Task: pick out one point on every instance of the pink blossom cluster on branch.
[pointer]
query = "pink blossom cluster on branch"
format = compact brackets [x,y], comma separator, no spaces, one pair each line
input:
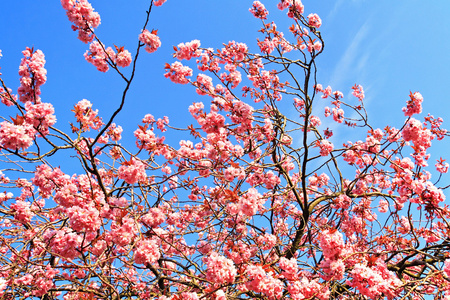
[83,17]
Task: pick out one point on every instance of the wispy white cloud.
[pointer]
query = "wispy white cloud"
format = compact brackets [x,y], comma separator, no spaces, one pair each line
[354,58]
[334,10]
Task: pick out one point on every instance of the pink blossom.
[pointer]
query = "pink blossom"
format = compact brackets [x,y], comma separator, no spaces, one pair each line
[188,50]
[6,97]
[40,115]
[154,217]
[447,267]
[64,242]
[123,233]
[358,92]
[22,211]
[220,269]
[97,56]
[327,92]
[83,17]
[232,172]
[315,121]
[251,202]
[114,132]
[308,289]
[375,281]
[123,58]
[261,282]
[414,105]
[259,10]
[151,40]
[3,286]
[178,73]
[146,252]
[267,46]
[16,137]
[384,206]
[289,267]
[314,20]
[267,241]
[338,115]
[132,171]
[32,75]
[84,219]
[325,147]
[145,138]
[204,84]
[86,116]
[189,296]
[420,136]
[293,5]
[442,166]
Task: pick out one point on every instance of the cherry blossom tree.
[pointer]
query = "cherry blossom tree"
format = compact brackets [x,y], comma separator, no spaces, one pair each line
[254,202]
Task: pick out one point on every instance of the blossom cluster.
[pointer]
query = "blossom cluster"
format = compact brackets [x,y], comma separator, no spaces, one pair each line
[32,75]
[101,57]
[150,40]
[259,10]
[83,17]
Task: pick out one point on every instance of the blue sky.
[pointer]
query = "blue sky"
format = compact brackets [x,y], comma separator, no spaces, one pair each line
[389,47]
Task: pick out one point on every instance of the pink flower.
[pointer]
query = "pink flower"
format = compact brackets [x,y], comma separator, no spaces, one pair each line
[447,267]
[293,5]
[308,289]
[5,96]
[442,166]
[376,281]
[123,234]
[325,147]
[123,58]
[154,217]
[251,202]
[178,73]
[86,115]
[261,282]
[220,269]
[384,206]
[414,105]
[97,56]
[315,121]
[146,252]
[358,92]
[188,50]
[289,267]
[84,219]
[132,171]
[327,92]
[189,296]
[33,75]
[145,138]
[22,211]
[40,115]
[314,20]
[16,137]
[64,242]
[259,10]
[338,115]
[151,40]
[83,17]
[204,84]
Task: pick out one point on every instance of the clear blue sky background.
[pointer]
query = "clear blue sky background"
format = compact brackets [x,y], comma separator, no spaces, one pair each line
[389,47]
